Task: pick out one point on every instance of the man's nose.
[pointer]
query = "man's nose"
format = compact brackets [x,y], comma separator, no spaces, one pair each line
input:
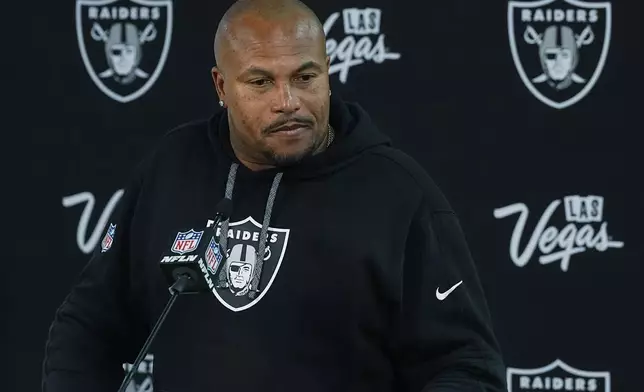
[287,100]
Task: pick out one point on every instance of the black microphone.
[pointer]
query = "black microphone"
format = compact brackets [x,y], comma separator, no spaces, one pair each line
[189,264]
[186,276]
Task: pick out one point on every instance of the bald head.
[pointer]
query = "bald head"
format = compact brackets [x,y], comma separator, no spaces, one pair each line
[272,76]
[253,20]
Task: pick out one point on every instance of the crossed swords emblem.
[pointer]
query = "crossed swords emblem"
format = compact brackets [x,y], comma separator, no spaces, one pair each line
[148,34]
[533,38]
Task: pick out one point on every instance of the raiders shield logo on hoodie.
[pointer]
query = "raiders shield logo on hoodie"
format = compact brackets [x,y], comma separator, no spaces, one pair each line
[124,43]
[242,269]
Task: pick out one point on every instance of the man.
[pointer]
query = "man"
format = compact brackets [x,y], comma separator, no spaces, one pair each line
[345,268]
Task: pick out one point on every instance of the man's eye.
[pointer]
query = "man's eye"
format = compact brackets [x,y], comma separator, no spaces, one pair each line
[305,78]
[259,82]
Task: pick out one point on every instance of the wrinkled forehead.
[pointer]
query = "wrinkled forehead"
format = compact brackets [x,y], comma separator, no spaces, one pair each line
[280,45]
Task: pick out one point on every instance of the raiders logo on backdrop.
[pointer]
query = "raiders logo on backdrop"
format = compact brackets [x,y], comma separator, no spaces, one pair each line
[233,283]
[559,47]
[142,380]
[557,376]
[124,43]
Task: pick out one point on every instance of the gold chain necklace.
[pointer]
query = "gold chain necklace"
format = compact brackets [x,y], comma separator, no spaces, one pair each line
[330,137]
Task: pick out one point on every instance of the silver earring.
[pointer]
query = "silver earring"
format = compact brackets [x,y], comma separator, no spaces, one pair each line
[221,103]
[329,93]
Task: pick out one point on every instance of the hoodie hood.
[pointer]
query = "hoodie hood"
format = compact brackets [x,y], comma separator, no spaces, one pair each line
[355,133]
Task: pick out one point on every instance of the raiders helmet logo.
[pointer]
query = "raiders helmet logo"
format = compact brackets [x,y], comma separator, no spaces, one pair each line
[559,47]
[243,270]
[124,43]
[143,376]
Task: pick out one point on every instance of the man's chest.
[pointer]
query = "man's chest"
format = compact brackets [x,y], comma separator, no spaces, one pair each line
[321,245]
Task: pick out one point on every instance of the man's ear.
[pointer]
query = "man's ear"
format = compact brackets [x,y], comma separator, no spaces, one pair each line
[218,80]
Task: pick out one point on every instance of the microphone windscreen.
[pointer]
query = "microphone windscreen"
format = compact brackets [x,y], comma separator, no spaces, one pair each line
[225,208]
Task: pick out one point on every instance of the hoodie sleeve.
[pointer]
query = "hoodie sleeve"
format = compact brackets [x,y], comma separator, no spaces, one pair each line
[96,329]
[446,339]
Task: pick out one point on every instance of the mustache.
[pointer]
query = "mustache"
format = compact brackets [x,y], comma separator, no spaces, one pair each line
[304,121]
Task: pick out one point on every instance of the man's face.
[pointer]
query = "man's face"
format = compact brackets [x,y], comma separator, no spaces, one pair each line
[276,87]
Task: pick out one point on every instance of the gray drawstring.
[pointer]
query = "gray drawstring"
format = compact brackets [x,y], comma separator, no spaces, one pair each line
[263,237]
[223,237]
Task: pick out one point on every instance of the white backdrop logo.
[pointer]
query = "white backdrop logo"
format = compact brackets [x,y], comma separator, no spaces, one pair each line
[557,376]
[580,234]
[559,47]
[142,380]
[357,47]
[124,43]
[87,244]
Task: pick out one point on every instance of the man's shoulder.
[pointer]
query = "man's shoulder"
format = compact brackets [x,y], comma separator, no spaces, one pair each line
[407,171]
[187,140]
[186,132]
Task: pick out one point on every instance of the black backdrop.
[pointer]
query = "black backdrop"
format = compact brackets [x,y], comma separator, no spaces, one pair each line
[461,89]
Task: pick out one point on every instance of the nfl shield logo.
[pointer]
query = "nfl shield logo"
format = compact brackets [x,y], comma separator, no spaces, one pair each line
[106,244]
[124,43]
[213,256]
[559,47]
[186,241]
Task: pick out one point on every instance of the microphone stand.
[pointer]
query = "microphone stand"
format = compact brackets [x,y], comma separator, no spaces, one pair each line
[175,290]
[182,281]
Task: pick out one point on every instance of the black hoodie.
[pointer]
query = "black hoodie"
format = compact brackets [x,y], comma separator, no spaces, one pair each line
[366,283]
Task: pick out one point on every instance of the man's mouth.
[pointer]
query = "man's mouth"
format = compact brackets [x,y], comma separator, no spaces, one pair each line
[290,129]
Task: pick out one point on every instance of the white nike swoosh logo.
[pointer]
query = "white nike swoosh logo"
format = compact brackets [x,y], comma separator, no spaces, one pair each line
[442,296]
